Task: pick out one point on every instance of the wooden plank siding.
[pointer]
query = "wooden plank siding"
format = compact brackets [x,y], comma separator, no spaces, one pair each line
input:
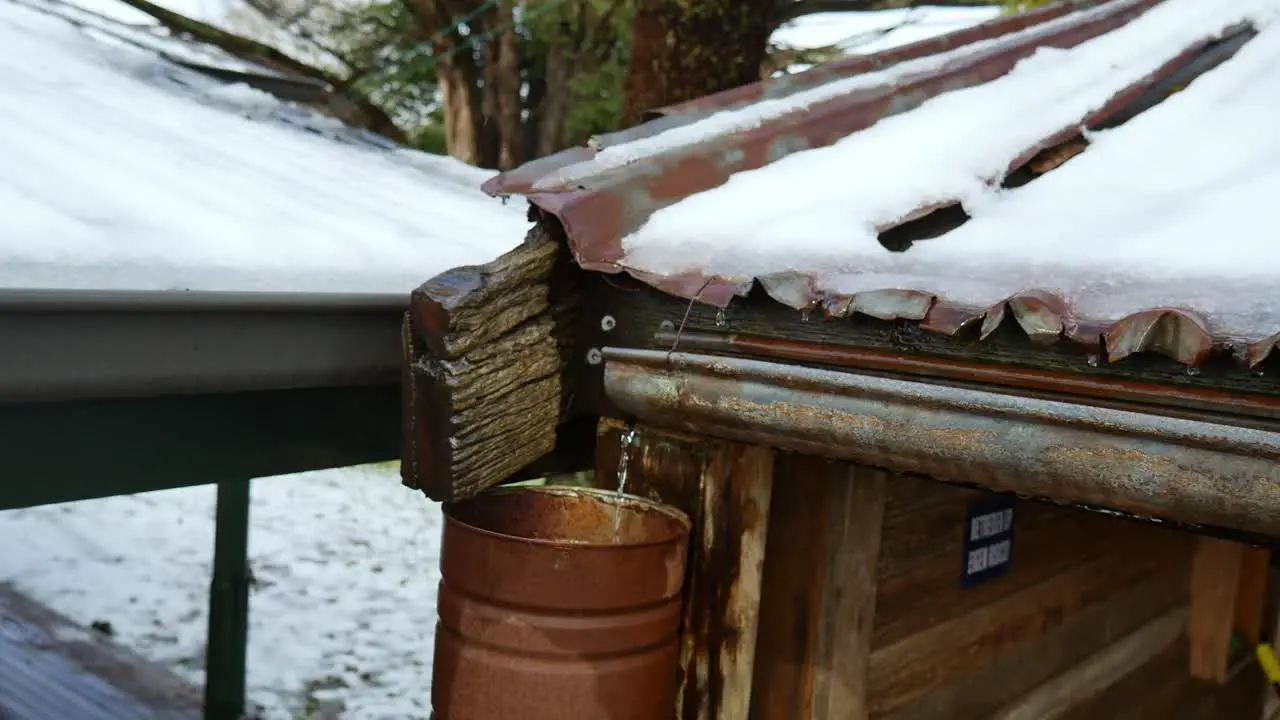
[861,611]
[818,605]
[726,489]
[1090,601]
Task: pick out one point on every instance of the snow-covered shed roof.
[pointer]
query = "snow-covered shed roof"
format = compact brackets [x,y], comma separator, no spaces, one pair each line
[876,30]
[120,169]
[927,182]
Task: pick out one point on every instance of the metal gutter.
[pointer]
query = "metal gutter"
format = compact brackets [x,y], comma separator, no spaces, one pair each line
[1182,470]
[58,345]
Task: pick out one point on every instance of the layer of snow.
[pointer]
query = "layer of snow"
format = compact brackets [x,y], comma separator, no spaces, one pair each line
[1167,210]
[752,116]
[873,31]
[121,171]
[346,564]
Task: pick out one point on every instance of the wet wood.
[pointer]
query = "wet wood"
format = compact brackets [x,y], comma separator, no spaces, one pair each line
[1215,583]
[818,607]
[1053,699]
[726,488]
[489,369]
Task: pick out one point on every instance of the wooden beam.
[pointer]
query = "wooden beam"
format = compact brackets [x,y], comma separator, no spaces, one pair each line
[1056,697]
[726,488]
[1251,597]
[818,607]
[719,647]
[1216,574]
[489,361]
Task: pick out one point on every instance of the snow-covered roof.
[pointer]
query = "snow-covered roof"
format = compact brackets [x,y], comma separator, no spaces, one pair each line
[876,30]
[1154,237]
[120,169]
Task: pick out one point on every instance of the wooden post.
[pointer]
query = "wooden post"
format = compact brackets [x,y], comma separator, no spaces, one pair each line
[1228,589]
[820,592]
[726,488]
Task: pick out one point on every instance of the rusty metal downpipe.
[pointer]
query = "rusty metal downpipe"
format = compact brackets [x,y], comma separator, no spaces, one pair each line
[1182,470]
[546,612]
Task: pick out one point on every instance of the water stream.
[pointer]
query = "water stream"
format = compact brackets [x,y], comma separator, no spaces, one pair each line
[628,441]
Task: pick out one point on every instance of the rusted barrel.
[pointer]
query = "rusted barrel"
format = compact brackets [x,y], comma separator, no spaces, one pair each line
[546,612]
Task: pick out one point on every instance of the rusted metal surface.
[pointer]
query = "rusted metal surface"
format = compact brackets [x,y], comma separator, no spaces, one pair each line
[1098,391]
[550,608]
[596,211]
[599,205]
[1169,468]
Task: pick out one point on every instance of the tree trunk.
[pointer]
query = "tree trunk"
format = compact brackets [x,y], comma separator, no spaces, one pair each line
[462,115]
[554,106]
[505,78]
[685,49]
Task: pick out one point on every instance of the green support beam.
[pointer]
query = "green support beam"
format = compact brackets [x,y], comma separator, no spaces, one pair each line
[228,638]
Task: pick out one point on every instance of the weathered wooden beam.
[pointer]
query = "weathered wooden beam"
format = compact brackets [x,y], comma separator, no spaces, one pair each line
[818,607]
[1251,598]
[488,364]
[726,488]
[1216,573]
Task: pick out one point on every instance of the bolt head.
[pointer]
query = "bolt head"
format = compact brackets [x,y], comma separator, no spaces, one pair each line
[607,323]
[594,356]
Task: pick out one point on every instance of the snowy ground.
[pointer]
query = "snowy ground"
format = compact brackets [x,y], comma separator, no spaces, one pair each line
[343,610]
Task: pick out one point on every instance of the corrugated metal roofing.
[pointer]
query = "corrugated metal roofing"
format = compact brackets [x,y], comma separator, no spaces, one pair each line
[604,193]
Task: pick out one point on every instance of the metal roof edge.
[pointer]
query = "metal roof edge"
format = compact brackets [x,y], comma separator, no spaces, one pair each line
[1181,470]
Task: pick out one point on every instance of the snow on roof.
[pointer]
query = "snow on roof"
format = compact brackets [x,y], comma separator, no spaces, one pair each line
[119,170]
[877,30]
[1156,225]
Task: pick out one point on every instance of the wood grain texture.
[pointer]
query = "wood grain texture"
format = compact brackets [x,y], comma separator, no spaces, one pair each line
[1162,690]
[726,489]
[489,363]
[936,654]
[1251,597]
[1053,699]
[1215,584]
[918,580]
[1078,580]
[819,602]
[978,693]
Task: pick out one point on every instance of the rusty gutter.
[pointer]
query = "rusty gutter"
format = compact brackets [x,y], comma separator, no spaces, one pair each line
[1180,470]
[1231,408]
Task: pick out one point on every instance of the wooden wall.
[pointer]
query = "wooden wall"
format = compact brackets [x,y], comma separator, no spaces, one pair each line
[1089,622]
[861,612]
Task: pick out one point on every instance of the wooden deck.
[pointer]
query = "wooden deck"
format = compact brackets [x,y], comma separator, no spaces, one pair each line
[52,669]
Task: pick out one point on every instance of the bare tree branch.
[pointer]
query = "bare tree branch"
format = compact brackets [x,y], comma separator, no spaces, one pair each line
[350,106]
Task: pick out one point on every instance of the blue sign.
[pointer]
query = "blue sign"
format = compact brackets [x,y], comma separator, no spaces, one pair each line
[988,539]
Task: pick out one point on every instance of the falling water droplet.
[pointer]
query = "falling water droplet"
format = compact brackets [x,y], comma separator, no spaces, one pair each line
[804,315]
[627,441]
[1192,370]
[1093,360]
[720,319]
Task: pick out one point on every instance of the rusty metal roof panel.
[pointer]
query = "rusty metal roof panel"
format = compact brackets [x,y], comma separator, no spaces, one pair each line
[608,191]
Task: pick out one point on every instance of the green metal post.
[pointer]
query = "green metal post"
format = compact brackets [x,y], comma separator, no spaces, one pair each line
[228,606]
